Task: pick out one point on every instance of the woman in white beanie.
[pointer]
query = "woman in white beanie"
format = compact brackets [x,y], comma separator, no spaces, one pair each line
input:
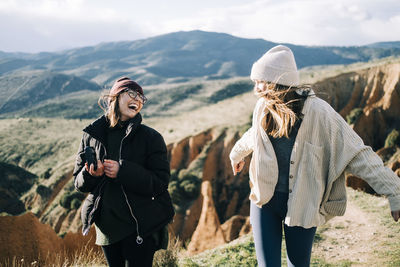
[301,147]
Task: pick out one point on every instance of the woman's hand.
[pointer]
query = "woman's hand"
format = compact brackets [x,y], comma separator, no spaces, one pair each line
[98,172]
[111,168]
[237,167]
[396,215]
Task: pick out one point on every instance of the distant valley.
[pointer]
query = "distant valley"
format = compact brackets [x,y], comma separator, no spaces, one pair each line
[200,100]
[67,84]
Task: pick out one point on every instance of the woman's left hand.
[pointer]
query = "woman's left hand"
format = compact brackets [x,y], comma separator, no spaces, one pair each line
[111,168]
[396,215]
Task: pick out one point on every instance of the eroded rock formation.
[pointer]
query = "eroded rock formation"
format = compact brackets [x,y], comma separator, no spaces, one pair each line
[208,233]
[212,164]
[376,91]
[25,237]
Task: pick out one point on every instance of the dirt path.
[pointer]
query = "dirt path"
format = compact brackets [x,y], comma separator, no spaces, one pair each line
[352,237]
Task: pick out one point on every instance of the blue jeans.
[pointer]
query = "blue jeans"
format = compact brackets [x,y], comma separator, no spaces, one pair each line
[267,231]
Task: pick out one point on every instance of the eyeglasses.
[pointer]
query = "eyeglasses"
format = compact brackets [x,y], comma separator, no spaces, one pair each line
[135,95]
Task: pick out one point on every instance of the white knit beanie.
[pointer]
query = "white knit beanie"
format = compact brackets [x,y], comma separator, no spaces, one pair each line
[277,66]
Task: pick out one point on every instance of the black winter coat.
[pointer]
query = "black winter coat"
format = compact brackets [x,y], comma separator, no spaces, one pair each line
[144,175]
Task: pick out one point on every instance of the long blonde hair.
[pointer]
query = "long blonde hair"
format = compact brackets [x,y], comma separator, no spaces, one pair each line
[109,104]
[283,108]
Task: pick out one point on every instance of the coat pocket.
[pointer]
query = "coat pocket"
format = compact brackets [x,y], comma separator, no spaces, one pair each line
[152,213]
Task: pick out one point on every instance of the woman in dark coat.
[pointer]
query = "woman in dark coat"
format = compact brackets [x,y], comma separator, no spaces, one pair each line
[128,199]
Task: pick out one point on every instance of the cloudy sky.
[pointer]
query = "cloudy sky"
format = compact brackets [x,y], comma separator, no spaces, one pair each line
[52,25]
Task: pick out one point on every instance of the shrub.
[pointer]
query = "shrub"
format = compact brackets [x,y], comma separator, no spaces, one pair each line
[354,115]
[190,186]
[75,204]
[393,139]
[231,90]
[46,174]
[165,258]
[67,198]
[174,190]
[43,191]
[184,189]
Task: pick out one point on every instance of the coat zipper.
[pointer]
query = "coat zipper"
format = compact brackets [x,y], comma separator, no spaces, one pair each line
[139,239]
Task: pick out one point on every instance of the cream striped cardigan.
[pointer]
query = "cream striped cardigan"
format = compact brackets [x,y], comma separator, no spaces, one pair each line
[325,147]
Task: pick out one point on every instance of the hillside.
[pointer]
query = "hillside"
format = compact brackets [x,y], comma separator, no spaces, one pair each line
[67,84]
[23,90]
[179,56]
[14,181]
[200,121]
[375,91]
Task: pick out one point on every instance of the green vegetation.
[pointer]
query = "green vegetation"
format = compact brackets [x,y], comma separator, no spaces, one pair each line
[75,204]
[39,144]
[231,90]
[354,115]
[22,90]
[71,200]
[82,105]
[183,188]
[46,174]
[393,139]
[240,253]
[388,250]
[43,191]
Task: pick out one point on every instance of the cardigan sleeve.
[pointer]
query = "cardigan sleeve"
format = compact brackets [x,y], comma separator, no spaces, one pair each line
[349,153]
[243,147]
[368,166]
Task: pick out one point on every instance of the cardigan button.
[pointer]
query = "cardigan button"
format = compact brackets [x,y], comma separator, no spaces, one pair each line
[292,162]
[152,198]
[290,190]
[291,176]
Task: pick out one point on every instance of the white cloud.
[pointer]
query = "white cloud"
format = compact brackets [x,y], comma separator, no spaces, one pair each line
[329,22]
[71,10]
[56,24]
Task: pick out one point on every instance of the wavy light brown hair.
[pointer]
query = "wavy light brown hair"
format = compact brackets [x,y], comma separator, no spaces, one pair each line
[109,104]
[283,107]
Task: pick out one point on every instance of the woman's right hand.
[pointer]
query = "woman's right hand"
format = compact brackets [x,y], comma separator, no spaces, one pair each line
[237,167]
[98,172]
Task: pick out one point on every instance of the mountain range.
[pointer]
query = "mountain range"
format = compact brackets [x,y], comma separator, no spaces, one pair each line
[45,80]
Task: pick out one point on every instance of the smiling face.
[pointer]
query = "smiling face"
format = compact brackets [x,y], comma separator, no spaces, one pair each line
[128,106]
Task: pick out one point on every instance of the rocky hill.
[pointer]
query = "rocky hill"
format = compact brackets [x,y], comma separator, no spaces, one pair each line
[210,201]
[14,181]
[375,92]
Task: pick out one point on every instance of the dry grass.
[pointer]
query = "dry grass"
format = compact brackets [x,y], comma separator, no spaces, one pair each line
[84,257]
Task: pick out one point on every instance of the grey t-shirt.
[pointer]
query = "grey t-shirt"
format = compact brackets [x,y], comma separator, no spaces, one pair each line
[283,149]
